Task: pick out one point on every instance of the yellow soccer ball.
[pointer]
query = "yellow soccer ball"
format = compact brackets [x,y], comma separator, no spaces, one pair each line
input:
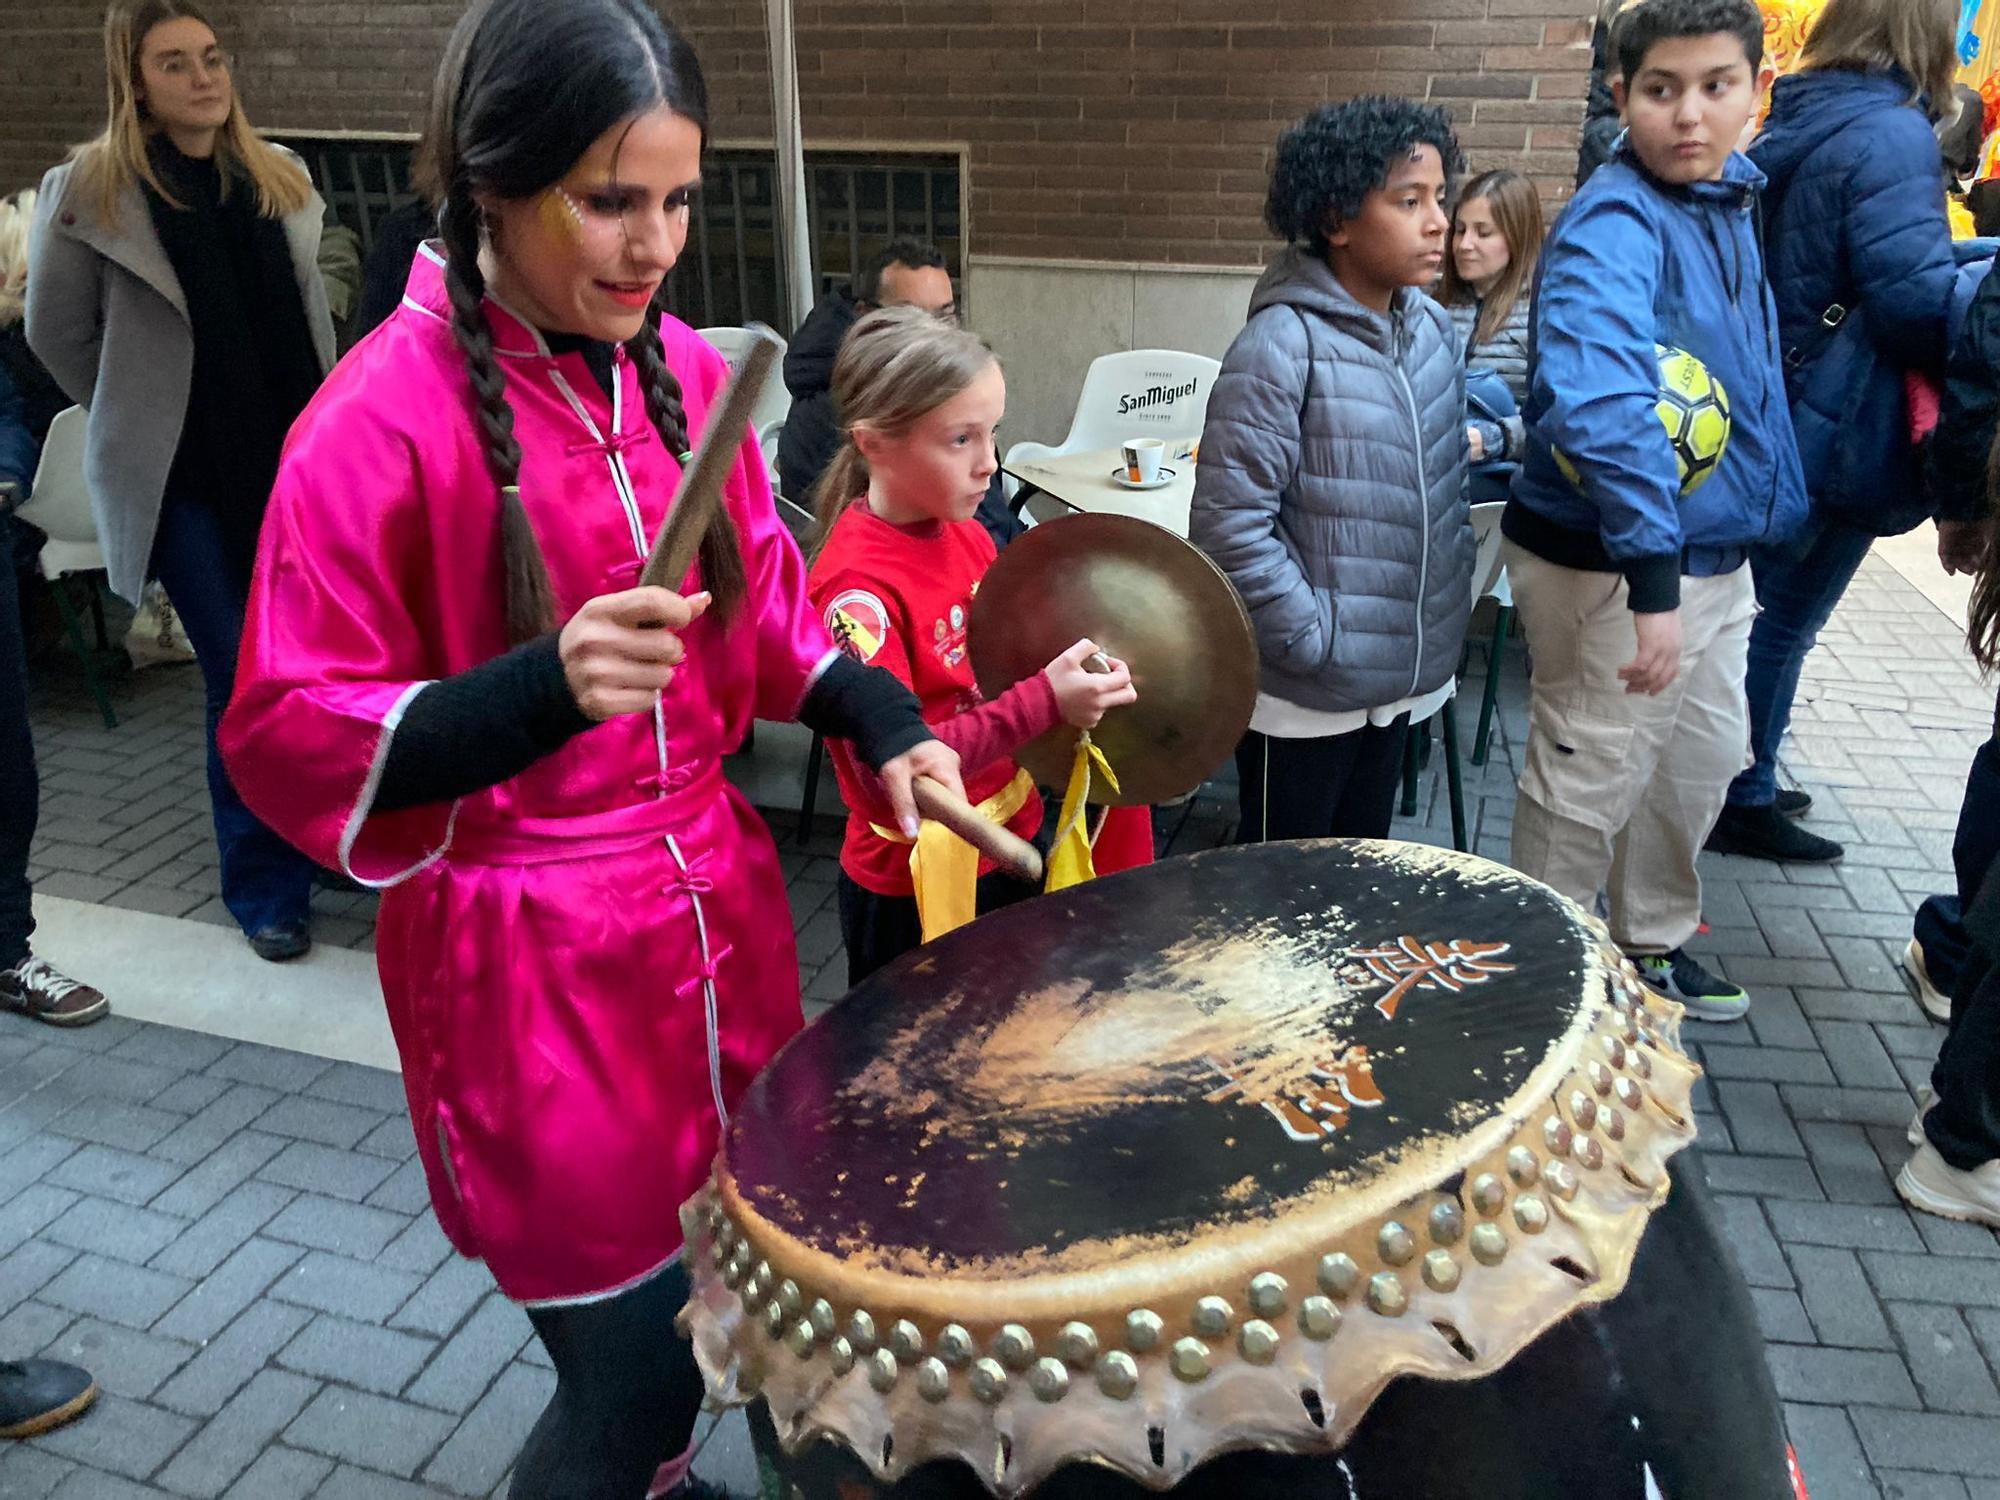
[1694,408]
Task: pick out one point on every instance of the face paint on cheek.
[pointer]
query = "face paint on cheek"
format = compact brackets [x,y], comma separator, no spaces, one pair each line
[560,216]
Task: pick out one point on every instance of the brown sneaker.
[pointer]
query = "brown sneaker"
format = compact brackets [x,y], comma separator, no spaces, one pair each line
[35,989]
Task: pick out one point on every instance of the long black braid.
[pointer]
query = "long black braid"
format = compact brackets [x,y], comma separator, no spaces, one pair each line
[721,551]
[530,592]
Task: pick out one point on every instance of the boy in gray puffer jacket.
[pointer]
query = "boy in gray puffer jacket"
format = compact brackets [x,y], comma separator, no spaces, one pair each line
[1331,488]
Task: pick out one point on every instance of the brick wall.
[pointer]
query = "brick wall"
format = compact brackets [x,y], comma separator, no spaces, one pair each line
[1095,129]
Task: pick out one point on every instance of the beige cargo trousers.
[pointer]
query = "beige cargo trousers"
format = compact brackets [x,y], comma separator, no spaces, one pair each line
[1618,789]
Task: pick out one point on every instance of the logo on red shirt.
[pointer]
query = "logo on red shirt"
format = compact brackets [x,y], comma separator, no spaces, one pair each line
[859,622]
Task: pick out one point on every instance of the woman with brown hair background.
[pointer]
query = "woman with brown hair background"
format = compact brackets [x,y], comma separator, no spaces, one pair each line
[1489,278]
[176,296]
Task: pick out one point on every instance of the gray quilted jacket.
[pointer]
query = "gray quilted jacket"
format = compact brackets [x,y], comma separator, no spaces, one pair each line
[1331,491]
[1506,354]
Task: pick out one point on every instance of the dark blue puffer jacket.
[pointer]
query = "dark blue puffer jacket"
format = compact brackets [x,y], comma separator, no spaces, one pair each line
[1854,220]
[1633,263]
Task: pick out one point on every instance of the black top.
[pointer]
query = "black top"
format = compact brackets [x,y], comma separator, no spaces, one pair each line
[41,397]
[486,725]
[386,273]
[600,357]
[255,367]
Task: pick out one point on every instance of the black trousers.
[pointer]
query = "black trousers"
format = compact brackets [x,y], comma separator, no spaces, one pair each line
[627,1395]
[1965,1125]
[1940,921]
[20,792]
[1343,786]
[877,929]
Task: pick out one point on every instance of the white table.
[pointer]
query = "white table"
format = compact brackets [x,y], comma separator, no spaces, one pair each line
[1083,481]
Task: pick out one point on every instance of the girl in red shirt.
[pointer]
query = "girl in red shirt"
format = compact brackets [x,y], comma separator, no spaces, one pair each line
[899,559]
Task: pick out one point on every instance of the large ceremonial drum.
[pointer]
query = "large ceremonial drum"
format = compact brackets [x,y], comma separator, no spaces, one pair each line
[1304,1169]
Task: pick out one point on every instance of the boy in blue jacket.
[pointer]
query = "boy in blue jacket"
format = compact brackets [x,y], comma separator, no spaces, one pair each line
[1633,592]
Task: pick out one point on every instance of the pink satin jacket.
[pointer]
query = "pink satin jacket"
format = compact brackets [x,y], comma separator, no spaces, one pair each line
[584,965]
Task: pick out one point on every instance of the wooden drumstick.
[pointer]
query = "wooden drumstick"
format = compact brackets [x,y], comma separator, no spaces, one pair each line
[939,803]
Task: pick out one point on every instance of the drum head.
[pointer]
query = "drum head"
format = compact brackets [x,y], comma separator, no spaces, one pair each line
[1168,1149]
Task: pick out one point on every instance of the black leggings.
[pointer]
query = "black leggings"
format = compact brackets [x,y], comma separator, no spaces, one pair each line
[627,1395]
[878,929]
[1342,786]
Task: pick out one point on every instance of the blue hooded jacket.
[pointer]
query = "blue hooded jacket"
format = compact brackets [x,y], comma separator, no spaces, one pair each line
[1633,262]
[1855,220]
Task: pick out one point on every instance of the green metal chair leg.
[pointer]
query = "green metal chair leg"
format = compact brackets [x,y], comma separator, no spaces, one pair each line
[73,628]
[1410,767]
[1454,775]
[1503,626]
[811,798]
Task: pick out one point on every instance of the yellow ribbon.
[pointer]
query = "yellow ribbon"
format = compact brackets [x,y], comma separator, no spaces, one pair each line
[944,869]
[1070,859]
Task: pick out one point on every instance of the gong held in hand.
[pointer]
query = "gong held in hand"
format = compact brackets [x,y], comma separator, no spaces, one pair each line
[1190,1163]
[1147,598]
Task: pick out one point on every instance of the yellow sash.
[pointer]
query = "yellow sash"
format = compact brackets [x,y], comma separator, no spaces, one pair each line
[945,869]
[1069,859]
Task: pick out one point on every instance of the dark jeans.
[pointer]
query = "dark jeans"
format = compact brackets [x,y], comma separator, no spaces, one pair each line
[265,881]
[1965,1125]
[878,929]
[1796,595]
[20,793]
[1940,924]
[1343,786]
[627,1395]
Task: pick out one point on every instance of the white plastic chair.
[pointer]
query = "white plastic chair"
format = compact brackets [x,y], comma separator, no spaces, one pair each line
[60,507]
[767,419]
[1159,393]
[1489,580]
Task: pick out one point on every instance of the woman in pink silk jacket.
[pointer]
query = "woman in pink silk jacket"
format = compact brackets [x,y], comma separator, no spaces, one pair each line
[453,688]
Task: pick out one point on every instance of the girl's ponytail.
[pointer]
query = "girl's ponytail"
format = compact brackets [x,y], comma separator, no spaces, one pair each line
[845,479]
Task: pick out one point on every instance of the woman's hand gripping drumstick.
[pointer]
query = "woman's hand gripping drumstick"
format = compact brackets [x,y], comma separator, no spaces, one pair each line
[620,650]
[924,781]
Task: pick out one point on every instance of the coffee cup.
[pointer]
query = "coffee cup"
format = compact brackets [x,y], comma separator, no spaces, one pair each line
[1142,460]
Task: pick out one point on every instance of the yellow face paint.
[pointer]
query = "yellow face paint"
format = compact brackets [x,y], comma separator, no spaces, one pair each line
[560,215]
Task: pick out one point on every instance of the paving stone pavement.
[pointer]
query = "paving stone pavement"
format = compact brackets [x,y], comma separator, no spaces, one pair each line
[236,1239]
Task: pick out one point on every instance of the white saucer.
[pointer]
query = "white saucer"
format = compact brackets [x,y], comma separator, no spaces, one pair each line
[1166,478]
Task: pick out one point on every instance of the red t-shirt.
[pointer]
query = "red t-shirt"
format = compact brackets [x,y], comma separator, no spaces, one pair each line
[899,597]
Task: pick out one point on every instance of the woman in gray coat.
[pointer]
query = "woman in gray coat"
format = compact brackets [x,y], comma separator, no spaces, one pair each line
[176,296]
[1331,482]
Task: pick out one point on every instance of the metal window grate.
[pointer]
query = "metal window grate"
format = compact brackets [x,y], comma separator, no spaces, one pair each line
[732,270]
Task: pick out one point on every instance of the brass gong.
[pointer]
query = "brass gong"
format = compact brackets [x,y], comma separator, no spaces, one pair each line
[1153,601]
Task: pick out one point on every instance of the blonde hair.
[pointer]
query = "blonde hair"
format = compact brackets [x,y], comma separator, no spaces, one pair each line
[17,214]
[895,367]
[116,159]
[1918,36]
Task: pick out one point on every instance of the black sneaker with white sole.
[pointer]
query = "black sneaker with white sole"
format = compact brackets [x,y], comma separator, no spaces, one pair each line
[1679,977]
